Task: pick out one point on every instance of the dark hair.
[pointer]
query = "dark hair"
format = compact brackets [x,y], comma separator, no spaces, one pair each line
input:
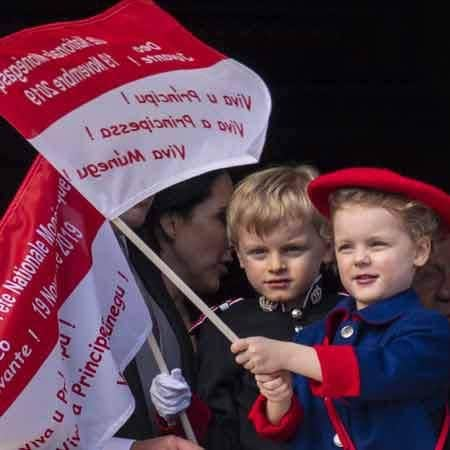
[180,199]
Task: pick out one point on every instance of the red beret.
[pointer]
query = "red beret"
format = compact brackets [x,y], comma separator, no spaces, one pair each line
[384,180]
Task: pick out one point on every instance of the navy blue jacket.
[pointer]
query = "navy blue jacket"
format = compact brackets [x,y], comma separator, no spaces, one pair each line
[386,370]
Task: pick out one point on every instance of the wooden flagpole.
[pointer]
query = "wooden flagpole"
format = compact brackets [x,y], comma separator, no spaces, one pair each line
[188,292]
[175,279]
[164,369]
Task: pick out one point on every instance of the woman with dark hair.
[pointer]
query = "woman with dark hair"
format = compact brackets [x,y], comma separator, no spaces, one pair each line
[186,227]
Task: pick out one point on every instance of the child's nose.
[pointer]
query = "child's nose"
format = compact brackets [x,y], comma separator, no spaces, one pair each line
[362,257]
[277,263]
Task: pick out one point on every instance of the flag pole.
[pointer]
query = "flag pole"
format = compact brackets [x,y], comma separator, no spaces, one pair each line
[175,279]
[164,369]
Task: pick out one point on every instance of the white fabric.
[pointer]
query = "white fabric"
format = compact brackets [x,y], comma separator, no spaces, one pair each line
[91,322]
[117,118]
[118,189]
[170,393]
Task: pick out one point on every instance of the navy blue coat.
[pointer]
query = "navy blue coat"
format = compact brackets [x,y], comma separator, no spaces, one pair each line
[228,388]
[386,370]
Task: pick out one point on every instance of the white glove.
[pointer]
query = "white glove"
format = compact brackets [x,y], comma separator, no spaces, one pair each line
[170,393]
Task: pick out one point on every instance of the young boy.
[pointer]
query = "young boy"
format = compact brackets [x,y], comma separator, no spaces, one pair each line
[373,375]
[274,230]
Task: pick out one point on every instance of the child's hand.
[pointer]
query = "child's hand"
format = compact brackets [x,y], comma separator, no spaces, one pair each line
[276,387]
[260,355]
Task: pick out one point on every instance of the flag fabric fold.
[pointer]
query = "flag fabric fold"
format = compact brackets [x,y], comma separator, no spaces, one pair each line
[71,319]
[107,108]
[121,105]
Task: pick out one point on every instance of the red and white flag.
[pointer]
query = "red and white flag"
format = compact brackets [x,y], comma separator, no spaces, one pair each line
[123,105]
[71,319]
[128,102]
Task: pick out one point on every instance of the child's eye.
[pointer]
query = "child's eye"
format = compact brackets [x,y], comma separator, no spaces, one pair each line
[378,244]
[343,248]
[257,252]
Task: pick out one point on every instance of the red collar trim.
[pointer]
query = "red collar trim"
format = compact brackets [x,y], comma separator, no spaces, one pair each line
[222,307]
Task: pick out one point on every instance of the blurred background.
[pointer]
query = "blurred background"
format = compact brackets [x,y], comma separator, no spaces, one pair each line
[352,83]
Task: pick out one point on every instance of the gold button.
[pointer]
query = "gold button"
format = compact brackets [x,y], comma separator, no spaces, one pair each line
[347,331]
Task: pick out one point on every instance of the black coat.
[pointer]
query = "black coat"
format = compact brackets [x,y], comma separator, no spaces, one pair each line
[226,387]
[138,425]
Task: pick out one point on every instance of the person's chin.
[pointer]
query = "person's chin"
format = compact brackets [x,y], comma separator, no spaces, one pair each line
[368,298]
[365,293]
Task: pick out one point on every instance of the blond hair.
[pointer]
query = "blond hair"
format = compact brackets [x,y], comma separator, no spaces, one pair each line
[419,220]
[265,199]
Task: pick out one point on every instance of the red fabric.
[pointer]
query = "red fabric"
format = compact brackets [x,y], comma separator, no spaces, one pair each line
[130,15]
[222,307]
[338,426]
[283,431]
[385,180]
[340,372]
[199,416]
[444,431]
[167,428]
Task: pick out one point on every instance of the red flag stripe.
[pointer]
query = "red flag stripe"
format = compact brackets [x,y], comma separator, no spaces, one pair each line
[57,227]
[58,67]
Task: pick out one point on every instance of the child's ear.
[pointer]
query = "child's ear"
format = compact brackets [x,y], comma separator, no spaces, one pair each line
[423,251]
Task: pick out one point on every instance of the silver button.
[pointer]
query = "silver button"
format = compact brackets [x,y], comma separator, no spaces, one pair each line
[298,328]
[347,331]
[296,313]
[336,441]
